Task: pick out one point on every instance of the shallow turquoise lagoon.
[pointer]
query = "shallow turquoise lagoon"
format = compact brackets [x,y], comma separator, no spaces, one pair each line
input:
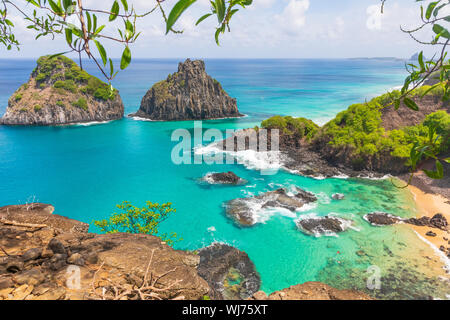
[84,171]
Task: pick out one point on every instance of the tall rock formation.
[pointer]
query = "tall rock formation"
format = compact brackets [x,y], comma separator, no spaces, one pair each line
[189,94]
[59,92]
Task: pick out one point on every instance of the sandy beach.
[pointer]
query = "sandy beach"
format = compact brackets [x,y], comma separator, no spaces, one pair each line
[428,205]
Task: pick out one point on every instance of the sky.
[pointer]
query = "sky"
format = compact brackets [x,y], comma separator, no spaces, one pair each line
[266,29]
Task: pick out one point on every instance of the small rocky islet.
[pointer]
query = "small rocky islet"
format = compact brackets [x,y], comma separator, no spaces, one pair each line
[59,92]
[189,94]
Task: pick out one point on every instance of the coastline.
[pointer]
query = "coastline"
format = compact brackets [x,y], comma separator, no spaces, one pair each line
[428,204]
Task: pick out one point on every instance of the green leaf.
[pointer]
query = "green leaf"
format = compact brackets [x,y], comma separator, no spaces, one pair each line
[220,5]
[111,67]
[447,160]
[438,173]
[176,12]
[411,104]
[102,52]
[126,58]
[203,18]
[430,9]
[114,11]
[440,30]
[422,65]
[68,36]
[125,4]
[56,8]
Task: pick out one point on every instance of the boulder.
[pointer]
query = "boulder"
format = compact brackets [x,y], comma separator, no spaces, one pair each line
[439,221]
[322,225]
[229,272]
[381,218]
[243,210]
[189,94]
[338,196]
[224,178]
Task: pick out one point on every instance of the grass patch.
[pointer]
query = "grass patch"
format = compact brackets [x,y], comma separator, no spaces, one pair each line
[81,103]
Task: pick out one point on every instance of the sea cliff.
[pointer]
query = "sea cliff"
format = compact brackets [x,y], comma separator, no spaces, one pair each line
[189,94]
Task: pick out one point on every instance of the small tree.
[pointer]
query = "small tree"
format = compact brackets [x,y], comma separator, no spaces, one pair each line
[145,220]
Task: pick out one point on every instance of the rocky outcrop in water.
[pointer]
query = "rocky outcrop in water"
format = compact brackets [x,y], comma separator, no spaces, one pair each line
[59,92]
[438,221]
[322,225]
[229,272]
[244,210]
[224,178]
[189,94]
[381,218]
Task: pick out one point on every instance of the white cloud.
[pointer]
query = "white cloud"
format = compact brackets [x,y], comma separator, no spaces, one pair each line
[293,17]
[374,19]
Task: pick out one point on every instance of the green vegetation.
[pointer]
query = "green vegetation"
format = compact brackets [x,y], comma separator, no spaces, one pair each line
[37,107]
[300,127]
[145,220]
[161,90]
[68,85]
[359,127]
[60,104]
[359,130]
[66,75]
[81,103]
[18,97]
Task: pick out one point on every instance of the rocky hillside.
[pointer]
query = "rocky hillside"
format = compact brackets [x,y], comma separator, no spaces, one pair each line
[44,256]
[59,92]
[189,94]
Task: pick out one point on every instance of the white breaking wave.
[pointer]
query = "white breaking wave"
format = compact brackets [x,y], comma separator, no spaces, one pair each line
[87,124]
[438,252]
[140,119]
[268,161]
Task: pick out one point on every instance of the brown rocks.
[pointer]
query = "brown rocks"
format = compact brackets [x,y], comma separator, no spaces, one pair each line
[223,178]
[189,94]
[229,272]
[312,291]
[117,257]
[244,210]
[381,218]
[439,221]
[322,225]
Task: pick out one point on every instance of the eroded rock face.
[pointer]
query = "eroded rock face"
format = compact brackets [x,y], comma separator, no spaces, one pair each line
[322,225]
[244,210]
[189,94]
[312,291]
[59,92]
[43,248]
[230,272]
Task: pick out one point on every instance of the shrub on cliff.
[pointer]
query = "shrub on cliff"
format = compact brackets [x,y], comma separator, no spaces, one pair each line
[360,129]
[300,127]
[146,220]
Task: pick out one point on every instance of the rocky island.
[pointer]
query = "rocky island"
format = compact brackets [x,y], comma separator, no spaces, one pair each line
[59,92]
[189,94]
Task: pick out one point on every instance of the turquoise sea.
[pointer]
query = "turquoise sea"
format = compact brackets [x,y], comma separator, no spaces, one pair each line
[84,171]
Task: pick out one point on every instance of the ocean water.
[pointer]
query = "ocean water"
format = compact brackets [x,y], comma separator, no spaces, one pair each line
[84,171]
